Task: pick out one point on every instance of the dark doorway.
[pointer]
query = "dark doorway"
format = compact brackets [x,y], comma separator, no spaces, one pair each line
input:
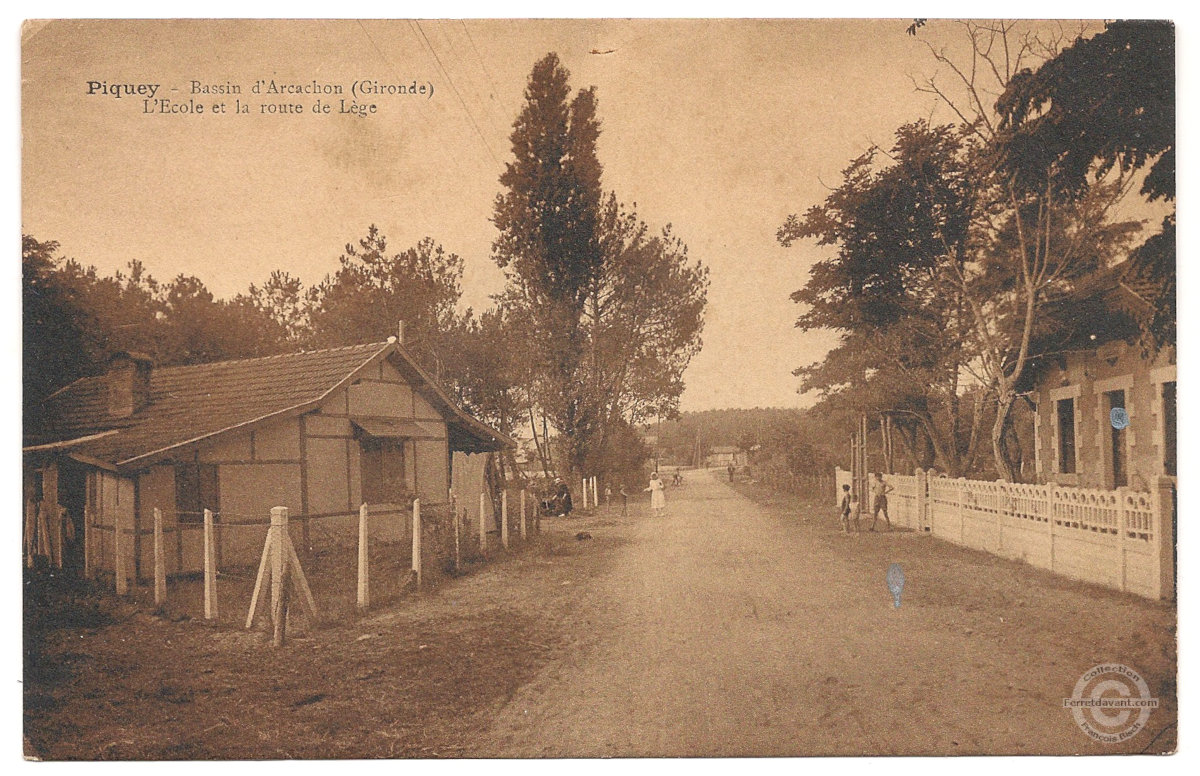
[72,495]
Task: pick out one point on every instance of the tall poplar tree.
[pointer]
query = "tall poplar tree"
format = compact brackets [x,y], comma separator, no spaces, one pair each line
[548,243]
[610,314]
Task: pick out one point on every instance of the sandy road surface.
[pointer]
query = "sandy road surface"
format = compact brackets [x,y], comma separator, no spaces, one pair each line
[731,629]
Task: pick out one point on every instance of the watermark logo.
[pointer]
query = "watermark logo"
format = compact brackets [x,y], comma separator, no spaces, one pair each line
[1111,703]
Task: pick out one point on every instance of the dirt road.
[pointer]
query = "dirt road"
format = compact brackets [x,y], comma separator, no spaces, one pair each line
[741,623]
[730,629]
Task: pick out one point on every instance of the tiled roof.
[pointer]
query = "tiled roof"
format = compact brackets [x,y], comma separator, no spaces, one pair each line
[189,403]
[192,402]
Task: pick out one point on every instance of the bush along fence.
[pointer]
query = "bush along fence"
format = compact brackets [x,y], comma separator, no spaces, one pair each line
[1123,539]
[819,486]
[242,570]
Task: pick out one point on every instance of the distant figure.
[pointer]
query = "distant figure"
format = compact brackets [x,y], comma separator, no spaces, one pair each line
[624,502]
[658,499]
[563,497]
[677,479]
[879,491]
[847,501]
[607,495]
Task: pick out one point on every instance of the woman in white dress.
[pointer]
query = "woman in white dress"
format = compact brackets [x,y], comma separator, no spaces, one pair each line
[658,498]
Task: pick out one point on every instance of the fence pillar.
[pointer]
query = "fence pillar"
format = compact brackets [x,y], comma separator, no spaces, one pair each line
[160,572]
[1122,528]
[416,542]
[504,518]
[1050,498]
[922,499]
[279,570]
[482,525]
[364,568]
[522,514]
[962,510]
[1163,497]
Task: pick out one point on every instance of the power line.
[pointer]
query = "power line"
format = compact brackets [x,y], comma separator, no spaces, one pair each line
[482,64]
[396,74]
[461,101]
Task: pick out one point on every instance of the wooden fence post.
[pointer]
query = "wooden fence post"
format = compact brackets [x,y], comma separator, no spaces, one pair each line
[482,526]
[160,571]
[87,543]
[522,514]
[504,518]
[56,550]
[122,584]
[279,570]
[31,510]
[457,528]
[364,570]
[416,539]
[210,568]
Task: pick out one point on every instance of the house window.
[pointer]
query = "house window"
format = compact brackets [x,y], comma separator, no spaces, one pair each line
[1066,436]
[382,462]
[1168,399]
[195,491]
[1118,466]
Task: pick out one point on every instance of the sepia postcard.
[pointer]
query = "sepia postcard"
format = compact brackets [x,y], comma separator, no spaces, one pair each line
[598,388]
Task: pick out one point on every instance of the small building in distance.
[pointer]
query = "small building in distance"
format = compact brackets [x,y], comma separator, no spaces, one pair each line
[725,455]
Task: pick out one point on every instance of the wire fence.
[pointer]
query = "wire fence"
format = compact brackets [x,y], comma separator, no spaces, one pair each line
[818,487]
[219,566]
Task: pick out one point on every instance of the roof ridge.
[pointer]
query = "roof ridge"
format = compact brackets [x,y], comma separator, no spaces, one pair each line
[289,354]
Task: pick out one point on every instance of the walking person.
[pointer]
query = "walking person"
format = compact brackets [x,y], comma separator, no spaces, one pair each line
[879,491]
[847,501]
[624,502]
[563,501]
[658,498]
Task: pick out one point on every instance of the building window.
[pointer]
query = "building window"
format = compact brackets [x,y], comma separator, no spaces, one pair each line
[1168,399]
[195,491]
[382,464]
[1118,466]
[1066,436]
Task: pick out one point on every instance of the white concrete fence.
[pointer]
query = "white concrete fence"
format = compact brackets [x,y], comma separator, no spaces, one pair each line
[1122,539]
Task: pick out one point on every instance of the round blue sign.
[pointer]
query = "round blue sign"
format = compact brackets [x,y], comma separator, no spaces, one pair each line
[1118,417]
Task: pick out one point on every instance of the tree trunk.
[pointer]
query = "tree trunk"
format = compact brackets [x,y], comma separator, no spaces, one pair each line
[1004,405]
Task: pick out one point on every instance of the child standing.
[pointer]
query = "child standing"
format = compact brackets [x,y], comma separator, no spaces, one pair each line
[847,500]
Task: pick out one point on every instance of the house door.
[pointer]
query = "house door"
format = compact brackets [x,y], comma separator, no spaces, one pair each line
[1116,441]
[72,496]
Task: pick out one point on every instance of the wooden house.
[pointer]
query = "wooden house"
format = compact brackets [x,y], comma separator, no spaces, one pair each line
[320,432]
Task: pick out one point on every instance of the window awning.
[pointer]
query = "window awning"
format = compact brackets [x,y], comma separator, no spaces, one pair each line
[400,429]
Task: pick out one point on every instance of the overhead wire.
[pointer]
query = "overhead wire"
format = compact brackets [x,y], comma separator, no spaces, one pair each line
[445,74]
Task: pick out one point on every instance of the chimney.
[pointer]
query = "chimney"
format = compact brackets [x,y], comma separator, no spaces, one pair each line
[128,383]
[400,332]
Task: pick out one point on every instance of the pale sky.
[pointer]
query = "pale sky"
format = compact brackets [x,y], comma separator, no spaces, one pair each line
[720,128]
